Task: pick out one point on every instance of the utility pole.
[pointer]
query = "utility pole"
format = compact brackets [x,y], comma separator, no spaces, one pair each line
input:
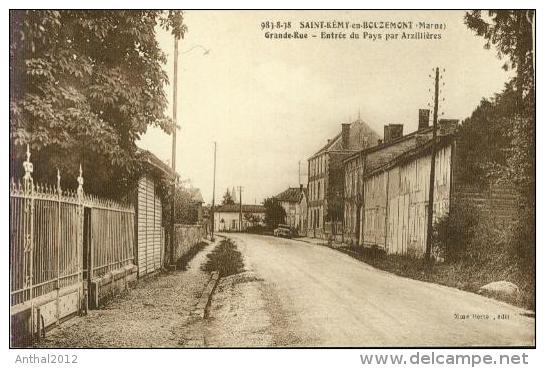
[432,169]
[174,115]
[213,195]
[240,207]
[299,173]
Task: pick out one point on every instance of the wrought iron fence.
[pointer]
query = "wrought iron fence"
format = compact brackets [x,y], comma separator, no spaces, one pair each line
[48,252]
[45,237]
[112,235]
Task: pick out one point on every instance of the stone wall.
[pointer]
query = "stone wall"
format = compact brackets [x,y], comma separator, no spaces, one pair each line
[186,237]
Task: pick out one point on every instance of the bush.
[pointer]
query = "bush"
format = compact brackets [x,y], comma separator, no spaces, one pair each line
[479,251]
[453,233]
[225,259]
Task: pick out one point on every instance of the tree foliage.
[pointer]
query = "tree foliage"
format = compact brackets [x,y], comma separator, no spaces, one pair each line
[504,127]
[187,202]
[253,219]
[274,213]
[511,32]
[484,139]
[84,86]
[227,198]
[497,145]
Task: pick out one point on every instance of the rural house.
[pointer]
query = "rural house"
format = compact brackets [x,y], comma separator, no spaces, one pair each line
[227,217]
[301,212]
[386,198]
[290,200]
[366,160]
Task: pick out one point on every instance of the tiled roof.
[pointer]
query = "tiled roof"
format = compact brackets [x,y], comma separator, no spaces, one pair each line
[289,195]
[387,144]
[411,154]
[358,129]
[246,208]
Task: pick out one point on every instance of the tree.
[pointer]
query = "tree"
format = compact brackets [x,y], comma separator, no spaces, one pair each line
[511,32]
[187,204]
[252,219]
[511,115]
[84,86]
[274,213]
[227,198]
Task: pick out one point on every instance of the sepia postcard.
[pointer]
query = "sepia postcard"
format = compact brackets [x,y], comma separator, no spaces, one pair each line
[272,179]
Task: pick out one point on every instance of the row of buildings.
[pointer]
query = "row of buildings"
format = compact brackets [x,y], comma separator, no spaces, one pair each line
[372,191]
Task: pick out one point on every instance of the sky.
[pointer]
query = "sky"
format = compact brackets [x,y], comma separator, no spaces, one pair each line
[270,104]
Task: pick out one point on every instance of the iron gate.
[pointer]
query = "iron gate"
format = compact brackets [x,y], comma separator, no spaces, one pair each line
[47,279]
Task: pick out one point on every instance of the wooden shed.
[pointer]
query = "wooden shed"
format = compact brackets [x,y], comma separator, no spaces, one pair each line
[149,225]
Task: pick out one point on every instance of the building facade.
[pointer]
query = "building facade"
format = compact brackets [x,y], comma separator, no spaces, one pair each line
[290,201]
[302,212]
[228,217]
[357,165]
[395,210]
[387,189]
[294,202]
[326,174]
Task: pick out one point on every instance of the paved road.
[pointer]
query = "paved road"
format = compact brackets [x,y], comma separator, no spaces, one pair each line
[322,297]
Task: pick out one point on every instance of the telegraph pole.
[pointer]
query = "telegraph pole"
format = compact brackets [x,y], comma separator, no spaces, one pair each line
[213,194]
[299,173]
[432,169]
[174,115]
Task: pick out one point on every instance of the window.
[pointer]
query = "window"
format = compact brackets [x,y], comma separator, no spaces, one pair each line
[319,190]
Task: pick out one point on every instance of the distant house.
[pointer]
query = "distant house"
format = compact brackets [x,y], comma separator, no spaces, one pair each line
[228,217]
[302,212]
[325,180]
[290,201]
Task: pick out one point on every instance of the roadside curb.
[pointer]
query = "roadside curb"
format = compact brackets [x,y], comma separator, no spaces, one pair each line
[201,309]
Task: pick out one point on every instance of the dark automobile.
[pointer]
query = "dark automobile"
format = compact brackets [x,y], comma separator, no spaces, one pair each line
[284,231]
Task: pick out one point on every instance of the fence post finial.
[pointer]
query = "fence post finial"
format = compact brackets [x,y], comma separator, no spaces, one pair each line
[59,191]
[27,165]
[80,183]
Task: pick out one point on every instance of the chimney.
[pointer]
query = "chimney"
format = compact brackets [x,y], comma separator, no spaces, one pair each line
[301,187]
[392,131]
[423,118]
[379,142]
[346,136]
